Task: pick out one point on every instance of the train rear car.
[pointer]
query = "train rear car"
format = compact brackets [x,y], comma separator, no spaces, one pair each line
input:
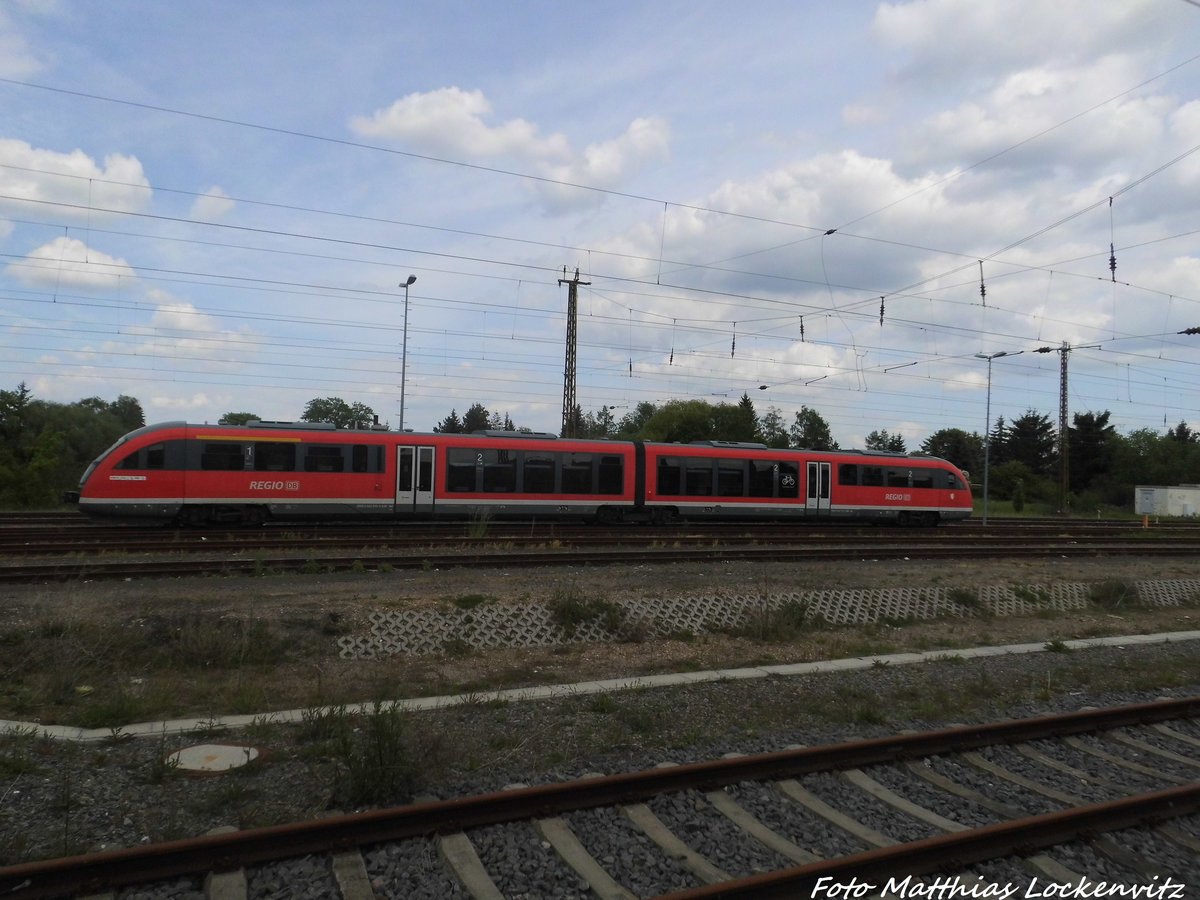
[719,479]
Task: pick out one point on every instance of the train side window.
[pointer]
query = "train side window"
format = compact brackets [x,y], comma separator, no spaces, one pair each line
[324,458]
[274,456]
[538,473]
[699,477]
[897,477]
[922,478]
[460,470]
[668,476]
[366,458]
[731,478]
[611,475]
[224,456]
[951,480]
[499,471]
[848,474]
[872,476]
[577,473]
[762,478]
[789,480]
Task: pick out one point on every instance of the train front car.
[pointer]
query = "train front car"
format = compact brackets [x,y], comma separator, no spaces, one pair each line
[140,477]
[896,488]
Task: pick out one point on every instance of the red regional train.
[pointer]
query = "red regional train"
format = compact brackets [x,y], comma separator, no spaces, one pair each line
[201,474]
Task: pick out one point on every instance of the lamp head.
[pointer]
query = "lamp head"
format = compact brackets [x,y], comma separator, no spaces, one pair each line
[411,279]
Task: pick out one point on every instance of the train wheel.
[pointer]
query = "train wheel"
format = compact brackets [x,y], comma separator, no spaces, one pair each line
[194,516]
[610,515]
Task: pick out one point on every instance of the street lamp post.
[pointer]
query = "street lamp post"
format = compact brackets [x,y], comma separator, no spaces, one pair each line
[404,364]
[987,430]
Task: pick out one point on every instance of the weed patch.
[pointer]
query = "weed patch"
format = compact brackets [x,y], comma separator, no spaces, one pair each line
[1115,593]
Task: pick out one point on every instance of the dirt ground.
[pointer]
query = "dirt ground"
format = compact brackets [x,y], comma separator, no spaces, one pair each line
[342,604]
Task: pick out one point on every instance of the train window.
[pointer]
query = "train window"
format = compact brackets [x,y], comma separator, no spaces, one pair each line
[789,480]
[366,458]
[952,481]
[699,477]
[848,474]
[460,470]
[897,477]
[762,478]
[731,478]
[538,473]
[274,456]
[152,457]
[922,478]
[611,474]
[577,473]
[499,470]
[872,476]
[324,458]
[223,456]
[668,476]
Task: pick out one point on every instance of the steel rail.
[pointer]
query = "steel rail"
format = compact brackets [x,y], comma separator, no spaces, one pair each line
[93,873]
[101,569]
[182,542]
[874,869]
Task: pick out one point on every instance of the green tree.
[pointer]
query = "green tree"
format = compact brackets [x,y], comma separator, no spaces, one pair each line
[882,440]
[633,424]
[46,446]
[735,421]
[1031,439]
[955,445]
[452,424]
[128,412]
[811,432]
[477,418]
[1090,447]
[338,412]
[681,421]
[238,418]
[772,430]
[1182,433]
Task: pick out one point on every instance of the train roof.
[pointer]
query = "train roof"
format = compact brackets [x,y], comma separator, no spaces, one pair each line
[327,427]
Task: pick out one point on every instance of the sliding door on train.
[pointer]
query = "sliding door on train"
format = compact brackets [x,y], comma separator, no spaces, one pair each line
[819,479]
[414,480]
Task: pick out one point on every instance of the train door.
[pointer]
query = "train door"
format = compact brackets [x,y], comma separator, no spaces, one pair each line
[414,480]
[819,478]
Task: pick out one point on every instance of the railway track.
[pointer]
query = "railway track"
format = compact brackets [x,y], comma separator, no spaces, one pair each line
[1100,796]
[181,554]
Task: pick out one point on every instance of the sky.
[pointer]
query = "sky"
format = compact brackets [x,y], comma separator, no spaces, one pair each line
[213,207]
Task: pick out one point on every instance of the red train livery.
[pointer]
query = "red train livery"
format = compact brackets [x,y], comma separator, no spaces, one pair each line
[199,474]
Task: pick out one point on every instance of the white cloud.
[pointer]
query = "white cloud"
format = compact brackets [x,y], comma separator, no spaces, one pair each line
[956,41]
[451,121]
[69,262]
[84,188]
[212,205]
[609,163]
[17,59]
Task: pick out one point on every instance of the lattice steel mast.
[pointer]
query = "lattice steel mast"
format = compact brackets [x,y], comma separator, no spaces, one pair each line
[569,403]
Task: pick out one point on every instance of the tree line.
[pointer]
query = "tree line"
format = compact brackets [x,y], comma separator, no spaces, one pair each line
[46,446]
